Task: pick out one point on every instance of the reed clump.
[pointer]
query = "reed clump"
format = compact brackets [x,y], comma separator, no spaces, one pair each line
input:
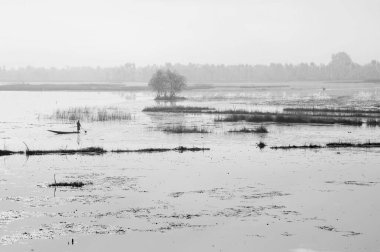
[180,129]
[282,118]
[177,109]
[353,145]
[97,151]
[329,145]
[8,152]
[288,147]
[150,150]
[333,110]
[83,151]
[373,122]
[91,114]
[260,129]
[305,115]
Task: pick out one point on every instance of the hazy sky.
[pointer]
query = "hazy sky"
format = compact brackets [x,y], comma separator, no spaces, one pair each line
[113,32]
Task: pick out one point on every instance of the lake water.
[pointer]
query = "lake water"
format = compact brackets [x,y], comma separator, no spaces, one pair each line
[235,197]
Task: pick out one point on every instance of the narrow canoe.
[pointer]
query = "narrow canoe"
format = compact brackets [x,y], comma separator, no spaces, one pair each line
[64,132]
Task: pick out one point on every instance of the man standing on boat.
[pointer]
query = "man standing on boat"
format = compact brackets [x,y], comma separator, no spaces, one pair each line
[78,126]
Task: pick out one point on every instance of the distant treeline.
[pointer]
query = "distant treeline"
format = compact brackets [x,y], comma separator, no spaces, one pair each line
[341,67]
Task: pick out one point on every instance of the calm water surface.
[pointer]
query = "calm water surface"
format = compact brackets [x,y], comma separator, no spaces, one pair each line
[234,197]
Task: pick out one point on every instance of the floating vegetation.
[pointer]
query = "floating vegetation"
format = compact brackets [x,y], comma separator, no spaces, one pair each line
[146,150]
[149,150]
[333,229]
[84,151]
[68,184]
[180,129]
[353,145]
[8,153]
[327,228]
[350,182]
[97,151]
[265,195]
[176,194]
[91,114]
[310,146]
[260,129]
[177,109]
[329,145]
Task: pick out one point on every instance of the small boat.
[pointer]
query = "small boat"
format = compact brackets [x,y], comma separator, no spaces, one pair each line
[64,132]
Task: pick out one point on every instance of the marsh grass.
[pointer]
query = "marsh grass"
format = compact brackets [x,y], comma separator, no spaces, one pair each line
[180,129]
[145,150]
[354,145]
[288,147]
[260,129]
[83,151]
[333,110]
[97,151]
[177,109]
[372,122]
[169,98]
[290,115]
[329,145]
[282,118]
[91,114]
[9,153]
[152,150]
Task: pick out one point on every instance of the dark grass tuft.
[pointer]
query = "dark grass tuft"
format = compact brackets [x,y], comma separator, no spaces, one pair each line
[353,145]
[261,145]
[310,146]
[260,129]
[69,184]
[183,129]
[146,150]
[8,152]
[329,145]
[183,149]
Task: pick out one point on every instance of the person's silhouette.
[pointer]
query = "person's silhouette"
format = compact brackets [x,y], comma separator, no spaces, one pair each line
[78,126]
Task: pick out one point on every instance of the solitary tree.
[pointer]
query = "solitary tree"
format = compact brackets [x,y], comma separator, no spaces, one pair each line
[158,83]
[167,84]
[341,66]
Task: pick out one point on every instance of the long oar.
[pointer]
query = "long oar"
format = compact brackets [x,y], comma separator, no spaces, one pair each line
[85,131]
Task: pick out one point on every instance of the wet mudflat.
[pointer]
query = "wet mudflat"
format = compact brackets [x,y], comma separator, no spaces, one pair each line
[234,197]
